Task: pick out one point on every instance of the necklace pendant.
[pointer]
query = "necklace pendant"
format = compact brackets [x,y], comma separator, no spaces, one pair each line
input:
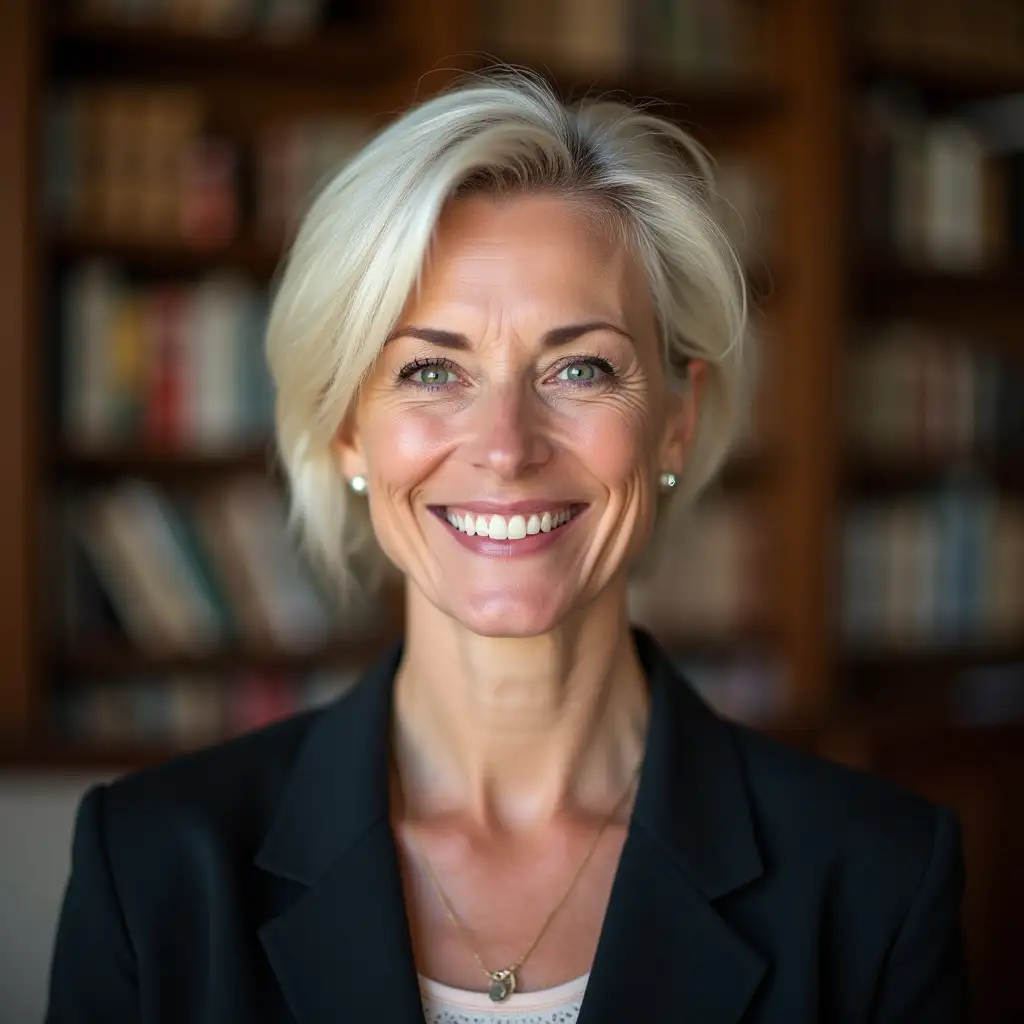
[503,984]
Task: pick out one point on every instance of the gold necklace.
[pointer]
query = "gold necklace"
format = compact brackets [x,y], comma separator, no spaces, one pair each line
[503,982]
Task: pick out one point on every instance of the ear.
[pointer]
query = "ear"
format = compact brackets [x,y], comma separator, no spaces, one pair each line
[684,405]
[348,446]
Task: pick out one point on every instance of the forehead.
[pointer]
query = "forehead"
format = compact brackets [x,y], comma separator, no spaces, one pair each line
[541,252]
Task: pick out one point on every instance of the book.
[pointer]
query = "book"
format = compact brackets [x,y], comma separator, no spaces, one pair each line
[166,366]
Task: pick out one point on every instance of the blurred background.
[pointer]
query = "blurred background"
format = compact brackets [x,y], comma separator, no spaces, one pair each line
[854,584]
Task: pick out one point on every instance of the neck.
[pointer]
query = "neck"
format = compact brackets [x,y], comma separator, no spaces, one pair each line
[513,732]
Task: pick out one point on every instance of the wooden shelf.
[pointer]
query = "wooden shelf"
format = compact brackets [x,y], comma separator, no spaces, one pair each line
[931,668]
[903,732]
[942,81]
[679,95]
[85,466]
[867,477]
[116,660]
[329,56]
[913,692]
[256,258]
[52,755]
[984,304]
[885,277]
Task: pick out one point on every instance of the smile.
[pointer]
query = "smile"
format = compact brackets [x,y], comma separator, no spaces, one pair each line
[515,531]
[513,527]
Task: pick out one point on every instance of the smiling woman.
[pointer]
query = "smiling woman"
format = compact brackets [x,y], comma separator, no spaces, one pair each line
[513,424]
[506,333]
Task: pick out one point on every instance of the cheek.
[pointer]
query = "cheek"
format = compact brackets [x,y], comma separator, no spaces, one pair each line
[613,446]
[402,445]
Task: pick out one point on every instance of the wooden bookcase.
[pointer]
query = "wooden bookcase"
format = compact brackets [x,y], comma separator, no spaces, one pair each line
[795,116]
[791,115]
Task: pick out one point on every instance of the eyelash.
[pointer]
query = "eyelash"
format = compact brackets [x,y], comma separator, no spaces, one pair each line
[405,374]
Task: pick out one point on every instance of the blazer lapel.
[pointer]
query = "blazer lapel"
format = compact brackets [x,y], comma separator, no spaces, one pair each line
[341,951]
[665,951]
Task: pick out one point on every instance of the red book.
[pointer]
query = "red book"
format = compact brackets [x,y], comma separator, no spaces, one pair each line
[259,699]
[166,401]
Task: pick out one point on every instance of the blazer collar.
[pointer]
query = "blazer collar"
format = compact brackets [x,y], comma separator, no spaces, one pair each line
[342,949]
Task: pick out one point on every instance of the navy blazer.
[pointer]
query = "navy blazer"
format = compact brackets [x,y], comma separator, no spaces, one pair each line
[258,882]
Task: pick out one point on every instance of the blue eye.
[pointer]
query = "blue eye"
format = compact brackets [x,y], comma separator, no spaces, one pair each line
[432,376]
[585,371]
[578,372]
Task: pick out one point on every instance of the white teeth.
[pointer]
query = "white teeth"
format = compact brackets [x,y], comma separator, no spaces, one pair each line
[511,528]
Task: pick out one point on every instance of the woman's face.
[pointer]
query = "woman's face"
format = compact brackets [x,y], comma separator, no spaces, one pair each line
[514,427]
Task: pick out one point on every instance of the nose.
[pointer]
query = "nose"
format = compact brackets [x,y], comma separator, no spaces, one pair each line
[510,432]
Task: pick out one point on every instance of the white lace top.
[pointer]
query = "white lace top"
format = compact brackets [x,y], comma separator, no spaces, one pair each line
[558,1005]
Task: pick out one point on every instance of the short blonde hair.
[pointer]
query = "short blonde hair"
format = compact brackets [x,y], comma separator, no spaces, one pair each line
[361,246]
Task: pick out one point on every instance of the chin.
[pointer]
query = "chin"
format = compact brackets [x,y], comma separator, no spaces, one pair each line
[509,617]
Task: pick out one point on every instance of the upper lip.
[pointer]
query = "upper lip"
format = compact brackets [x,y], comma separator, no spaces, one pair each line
[525,507]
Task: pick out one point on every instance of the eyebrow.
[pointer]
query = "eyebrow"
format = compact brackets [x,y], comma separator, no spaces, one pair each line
[551,339]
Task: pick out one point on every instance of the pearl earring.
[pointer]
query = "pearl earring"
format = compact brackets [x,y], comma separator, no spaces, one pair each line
[667,481]
[358,484]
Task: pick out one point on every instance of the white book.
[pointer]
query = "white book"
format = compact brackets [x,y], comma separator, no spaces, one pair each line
[118,566]
[954,196]
[89,303]
[189,621]
[297,616]
[216,374]
[861,578]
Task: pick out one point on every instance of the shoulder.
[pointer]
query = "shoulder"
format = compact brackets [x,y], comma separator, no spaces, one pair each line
[224,800]
[229,790]
[798,782]
[817,813]
[881,869]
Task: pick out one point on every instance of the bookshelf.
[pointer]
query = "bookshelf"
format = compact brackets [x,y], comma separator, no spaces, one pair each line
[252,256]
[350,53]
[783,111]
[932,692]
[936,221]
[938,80]
[169,464]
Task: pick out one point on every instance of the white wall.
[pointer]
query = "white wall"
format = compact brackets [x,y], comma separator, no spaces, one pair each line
[36,817]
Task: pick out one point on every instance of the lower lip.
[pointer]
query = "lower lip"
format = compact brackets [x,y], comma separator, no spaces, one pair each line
[529,545]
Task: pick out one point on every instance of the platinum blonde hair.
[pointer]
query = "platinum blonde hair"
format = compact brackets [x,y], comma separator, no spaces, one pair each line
[361,246]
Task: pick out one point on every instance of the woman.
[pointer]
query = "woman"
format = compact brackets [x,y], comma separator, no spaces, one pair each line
[513,330]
